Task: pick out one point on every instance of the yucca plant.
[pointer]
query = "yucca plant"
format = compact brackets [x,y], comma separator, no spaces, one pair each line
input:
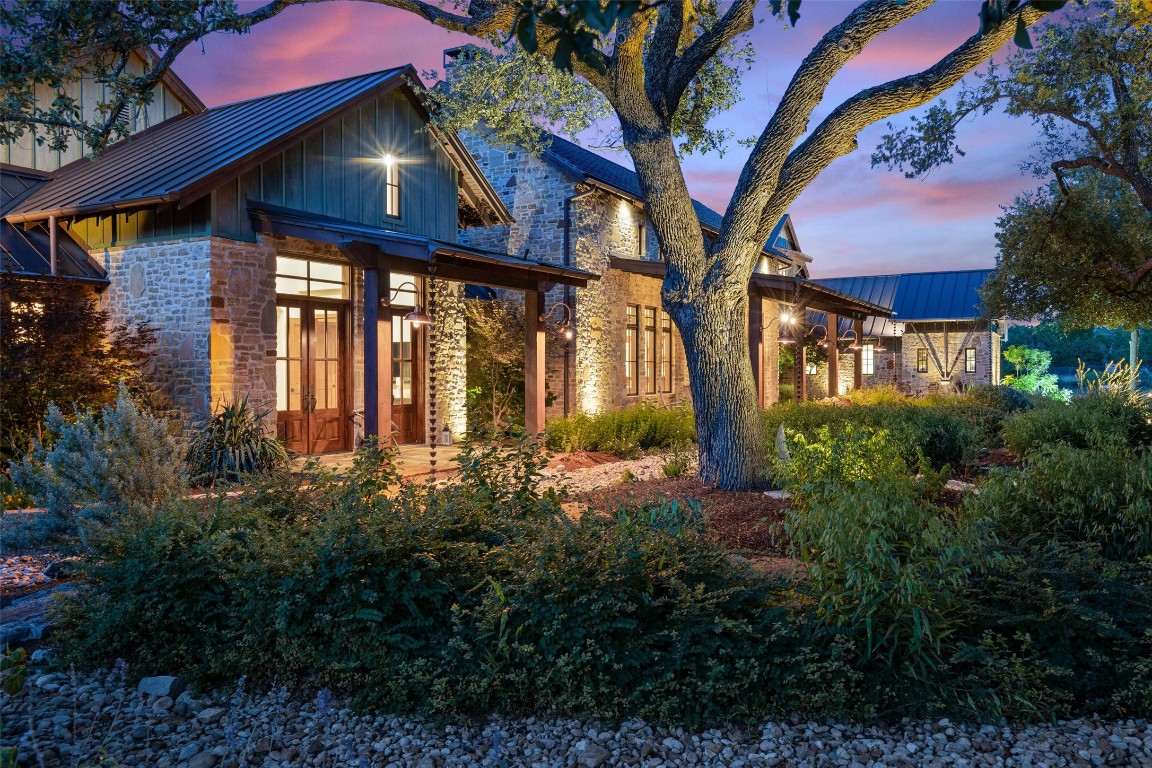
[231,444]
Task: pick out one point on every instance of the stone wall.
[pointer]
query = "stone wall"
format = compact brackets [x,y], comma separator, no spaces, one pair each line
[168,286]
[243,335]
[449,341]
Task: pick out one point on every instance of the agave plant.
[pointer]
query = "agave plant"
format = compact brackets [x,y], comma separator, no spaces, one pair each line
[231,444]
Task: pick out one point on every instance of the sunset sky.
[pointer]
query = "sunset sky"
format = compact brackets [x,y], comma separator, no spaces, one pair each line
[852,220]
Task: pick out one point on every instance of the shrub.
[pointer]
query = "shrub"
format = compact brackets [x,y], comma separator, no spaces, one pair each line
[1097,416]
[1101,495]
[625,432]
[997,397]
[58,346]
[231,444]
[120,466]
[882,395]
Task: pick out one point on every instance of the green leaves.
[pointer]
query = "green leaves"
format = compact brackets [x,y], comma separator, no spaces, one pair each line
[576,27]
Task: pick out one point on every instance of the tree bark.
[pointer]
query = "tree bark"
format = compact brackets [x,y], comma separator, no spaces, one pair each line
[729,423]
[1134,352]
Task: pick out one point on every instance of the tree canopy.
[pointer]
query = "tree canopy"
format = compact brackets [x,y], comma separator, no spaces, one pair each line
[1074,255]
[660,66]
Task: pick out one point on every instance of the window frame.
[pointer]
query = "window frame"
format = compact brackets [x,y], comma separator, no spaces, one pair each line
[921,360]
[392,189]
[868,359]
[632,349]
[666,353]
[970,360]
[641,240]
[649,353]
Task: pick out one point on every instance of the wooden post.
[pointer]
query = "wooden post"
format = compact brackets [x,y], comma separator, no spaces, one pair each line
[858,356]
[371,353]
[384,353]
[756,343]
[800,364]
[833,354]
[533,363]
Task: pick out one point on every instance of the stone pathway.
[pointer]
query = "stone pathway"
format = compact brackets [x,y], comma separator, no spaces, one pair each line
[87,719]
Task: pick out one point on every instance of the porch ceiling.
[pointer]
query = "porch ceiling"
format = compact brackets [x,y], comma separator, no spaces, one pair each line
[373,247]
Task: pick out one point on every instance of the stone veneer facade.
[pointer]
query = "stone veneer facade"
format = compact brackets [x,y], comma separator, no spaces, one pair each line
[212,303]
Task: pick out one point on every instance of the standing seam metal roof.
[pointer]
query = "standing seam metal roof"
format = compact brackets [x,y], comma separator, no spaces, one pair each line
[165,161]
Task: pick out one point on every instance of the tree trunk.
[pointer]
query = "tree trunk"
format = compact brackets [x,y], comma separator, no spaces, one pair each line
[729,424]
[1134,352]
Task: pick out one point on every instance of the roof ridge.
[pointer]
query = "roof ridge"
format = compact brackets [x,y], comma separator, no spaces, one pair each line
[909,274]
[388,72]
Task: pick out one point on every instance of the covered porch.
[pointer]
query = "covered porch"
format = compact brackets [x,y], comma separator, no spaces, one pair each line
[387,337]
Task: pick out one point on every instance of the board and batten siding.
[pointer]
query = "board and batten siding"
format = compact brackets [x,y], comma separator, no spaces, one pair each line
[26,153]
[336,172]
[151,224]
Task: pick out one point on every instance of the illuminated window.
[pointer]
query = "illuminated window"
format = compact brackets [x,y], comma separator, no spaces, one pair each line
[868,359]
[641,240]
[922,360]
[970,360]
[632,350]
[650,350]
[665,352]
[391,186]
[317,279]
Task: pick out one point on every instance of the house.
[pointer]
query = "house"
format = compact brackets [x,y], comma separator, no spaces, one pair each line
[936,339]
[574,208]
[300,248]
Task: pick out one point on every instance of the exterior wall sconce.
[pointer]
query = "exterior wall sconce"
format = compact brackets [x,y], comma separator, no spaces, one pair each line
[855,341]
[786,320]
[415,317]
[568,331]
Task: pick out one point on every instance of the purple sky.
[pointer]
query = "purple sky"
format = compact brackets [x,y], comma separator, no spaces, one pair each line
[852,219]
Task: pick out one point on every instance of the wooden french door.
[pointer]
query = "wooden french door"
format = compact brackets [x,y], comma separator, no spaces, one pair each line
[407,383]
[311,375]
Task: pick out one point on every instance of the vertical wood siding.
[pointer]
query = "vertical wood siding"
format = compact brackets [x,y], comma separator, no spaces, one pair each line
[146,225]
[334,172]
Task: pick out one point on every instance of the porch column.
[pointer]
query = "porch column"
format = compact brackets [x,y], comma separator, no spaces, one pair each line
[384,354]
[756,343]
[534,387]
[858,355]
[800,366]
[833,355]
[371,352]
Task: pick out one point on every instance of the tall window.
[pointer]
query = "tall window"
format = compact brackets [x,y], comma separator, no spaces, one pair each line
[868,360]
[650,350]
[970,360]
[922,360]
[641,240]
[391,186]
[632,350]
[665,352]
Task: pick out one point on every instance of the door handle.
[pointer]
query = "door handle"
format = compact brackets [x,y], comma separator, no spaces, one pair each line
[304,400]
[312,404]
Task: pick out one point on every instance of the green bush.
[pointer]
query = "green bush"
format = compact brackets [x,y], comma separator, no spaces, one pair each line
[117,467]
[626,432]
[231,444]
[1098,415]
[1100,495]
[997,397]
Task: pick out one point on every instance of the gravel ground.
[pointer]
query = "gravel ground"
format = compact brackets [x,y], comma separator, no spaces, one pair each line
[87,719]
[577,481]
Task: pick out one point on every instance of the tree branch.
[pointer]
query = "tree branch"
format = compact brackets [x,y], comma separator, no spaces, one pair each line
[836,136]
[736,21]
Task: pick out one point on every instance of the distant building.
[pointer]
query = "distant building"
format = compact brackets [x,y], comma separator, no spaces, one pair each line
[936,340]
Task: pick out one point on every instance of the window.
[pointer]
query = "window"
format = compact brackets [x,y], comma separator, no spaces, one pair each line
[811,369]
[391,186]
[403,290]
[868,359]
[641,240]
[318,279]
[665,352]
[970,360]
[632,350]
[922,360]
[650,350]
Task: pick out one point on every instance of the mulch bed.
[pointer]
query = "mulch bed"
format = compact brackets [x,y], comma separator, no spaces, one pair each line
[741,520]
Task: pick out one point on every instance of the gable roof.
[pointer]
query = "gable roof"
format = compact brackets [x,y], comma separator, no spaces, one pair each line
[185,158]
[592,167]
[918,296]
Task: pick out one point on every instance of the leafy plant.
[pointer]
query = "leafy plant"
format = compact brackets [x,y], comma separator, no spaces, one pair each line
[1031,374]
[117,467]
[1100,415]
[234,443]
[625,432]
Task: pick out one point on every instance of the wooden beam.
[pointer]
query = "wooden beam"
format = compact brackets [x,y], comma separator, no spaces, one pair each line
[858,355]
[800,366]
[756,343]
[833,326]
[371,353]
[384,355]
[534,367]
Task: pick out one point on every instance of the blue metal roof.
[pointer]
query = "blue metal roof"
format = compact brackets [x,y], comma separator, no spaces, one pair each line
[916,296]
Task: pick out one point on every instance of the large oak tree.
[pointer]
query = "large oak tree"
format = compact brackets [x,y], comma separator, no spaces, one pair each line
[650,62]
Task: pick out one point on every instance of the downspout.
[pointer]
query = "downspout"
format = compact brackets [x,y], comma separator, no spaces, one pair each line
[52,245]
[569,298]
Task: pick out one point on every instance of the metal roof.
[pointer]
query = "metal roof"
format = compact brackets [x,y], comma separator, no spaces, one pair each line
[917,296]
[588,164]
[182,159]
[26,251]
